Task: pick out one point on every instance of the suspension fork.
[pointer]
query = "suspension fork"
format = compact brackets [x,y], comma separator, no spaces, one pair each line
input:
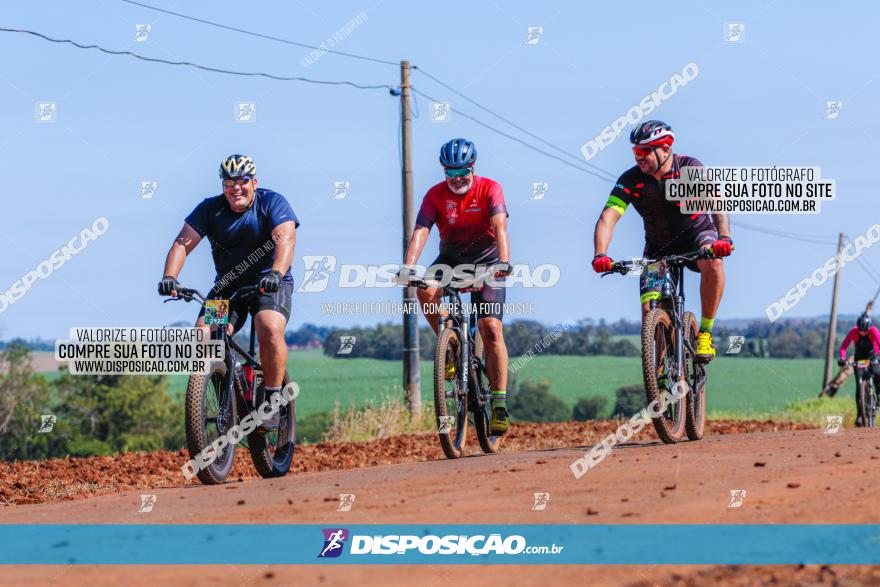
[455,320]
[678,322]
[228,394]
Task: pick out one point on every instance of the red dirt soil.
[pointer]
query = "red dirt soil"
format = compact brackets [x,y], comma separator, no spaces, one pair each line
[792,474]
[30,482]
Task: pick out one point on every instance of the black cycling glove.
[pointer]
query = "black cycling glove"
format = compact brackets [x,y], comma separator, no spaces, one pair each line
[168,285]
[271,282]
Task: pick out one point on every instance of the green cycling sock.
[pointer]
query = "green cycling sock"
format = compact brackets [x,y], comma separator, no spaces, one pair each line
[499,397]
[706,324]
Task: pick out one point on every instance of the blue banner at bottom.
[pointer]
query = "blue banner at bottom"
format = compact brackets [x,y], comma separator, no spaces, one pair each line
[622,544]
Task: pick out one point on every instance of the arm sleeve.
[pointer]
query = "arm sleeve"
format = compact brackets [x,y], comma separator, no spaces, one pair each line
[850,337]
[280,211]
[875,338]
[198,218]
[496,201]
[621,196]
[427,215]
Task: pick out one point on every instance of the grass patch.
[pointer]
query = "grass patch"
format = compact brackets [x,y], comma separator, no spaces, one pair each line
[382,419]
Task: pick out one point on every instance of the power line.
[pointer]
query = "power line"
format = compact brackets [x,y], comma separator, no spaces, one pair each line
[866,266]
[514,125]
[820,240]
[513,138]
[598,172]
[203,67]
[261,35]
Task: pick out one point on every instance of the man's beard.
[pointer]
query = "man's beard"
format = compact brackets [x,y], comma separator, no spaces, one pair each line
[463,189]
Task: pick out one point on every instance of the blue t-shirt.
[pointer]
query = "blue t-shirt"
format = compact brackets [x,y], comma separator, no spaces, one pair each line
[241,243]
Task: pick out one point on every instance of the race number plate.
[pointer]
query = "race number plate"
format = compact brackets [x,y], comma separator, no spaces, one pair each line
[217,312]
[655,273]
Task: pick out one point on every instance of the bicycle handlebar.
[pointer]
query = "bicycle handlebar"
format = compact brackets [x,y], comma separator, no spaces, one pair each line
[854,363]
[623,267]
[187,295]
[421,283]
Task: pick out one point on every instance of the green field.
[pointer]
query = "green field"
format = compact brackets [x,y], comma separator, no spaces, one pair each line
[740,387]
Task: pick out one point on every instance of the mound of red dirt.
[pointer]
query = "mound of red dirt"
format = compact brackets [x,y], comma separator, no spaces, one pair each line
[29,482]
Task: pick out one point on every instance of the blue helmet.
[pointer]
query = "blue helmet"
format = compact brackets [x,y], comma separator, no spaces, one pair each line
[458,153]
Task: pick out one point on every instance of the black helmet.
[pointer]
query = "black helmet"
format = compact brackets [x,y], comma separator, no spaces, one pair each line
[864,322]
[458,153]
[652,133]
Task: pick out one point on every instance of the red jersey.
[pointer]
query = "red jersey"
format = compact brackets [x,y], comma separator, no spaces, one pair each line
[464,222]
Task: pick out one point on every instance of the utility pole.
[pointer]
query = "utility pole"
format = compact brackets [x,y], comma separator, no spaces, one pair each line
[832,322]
[411,383]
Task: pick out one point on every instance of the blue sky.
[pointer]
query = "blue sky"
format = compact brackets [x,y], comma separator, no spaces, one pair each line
[121,121]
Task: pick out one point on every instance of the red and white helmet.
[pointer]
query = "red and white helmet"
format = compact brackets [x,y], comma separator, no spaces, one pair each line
[652,133]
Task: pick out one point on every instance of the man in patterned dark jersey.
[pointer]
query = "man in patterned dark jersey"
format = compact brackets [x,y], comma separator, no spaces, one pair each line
[471,215]
[667,230]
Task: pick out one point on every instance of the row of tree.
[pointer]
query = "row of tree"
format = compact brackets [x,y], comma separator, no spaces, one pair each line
[787,339]
[81,415]
[383,341]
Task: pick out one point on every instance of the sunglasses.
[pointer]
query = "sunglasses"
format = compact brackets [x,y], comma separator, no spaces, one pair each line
[237,181]
[643,151]
[459,172]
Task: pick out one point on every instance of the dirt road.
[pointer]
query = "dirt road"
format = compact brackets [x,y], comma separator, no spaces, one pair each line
[801,476]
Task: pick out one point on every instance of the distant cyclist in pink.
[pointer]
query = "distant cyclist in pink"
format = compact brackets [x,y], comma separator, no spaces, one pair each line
[866,339]
[471,216]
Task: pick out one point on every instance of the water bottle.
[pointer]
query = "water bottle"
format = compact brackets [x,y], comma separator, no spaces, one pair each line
[249,382]
[240,381]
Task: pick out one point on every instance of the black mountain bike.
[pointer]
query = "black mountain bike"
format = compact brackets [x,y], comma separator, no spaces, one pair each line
[669,336]
[215,402]
[461,382]
[866,393]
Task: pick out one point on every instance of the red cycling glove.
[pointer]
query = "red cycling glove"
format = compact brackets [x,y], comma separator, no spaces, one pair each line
[722,247]
[602,263]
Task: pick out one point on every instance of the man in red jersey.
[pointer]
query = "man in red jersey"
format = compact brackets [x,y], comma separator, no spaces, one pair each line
[470,214]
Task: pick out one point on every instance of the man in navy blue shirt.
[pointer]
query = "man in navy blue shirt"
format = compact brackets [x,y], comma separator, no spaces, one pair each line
[252,232]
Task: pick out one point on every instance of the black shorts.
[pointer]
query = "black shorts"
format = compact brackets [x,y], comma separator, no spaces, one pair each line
[281,301]
[649,286]
[489,301]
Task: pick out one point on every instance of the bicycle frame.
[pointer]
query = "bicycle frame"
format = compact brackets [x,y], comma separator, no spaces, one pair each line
[673,293]
[465,324]
[864,373]
[229,343]
[672,298]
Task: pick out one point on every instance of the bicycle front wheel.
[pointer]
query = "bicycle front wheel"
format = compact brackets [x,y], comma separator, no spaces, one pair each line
[658,365]
[210,413]
[450,401]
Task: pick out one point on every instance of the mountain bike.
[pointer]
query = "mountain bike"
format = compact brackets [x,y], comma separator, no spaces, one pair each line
[461,381]
[866,393]
[216,401]
[669,336]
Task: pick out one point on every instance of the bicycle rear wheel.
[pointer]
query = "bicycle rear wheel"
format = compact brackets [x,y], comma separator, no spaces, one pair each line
[482,415]
[210,412]
[272,450]
[695,373]
[450,397]
[657,366]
